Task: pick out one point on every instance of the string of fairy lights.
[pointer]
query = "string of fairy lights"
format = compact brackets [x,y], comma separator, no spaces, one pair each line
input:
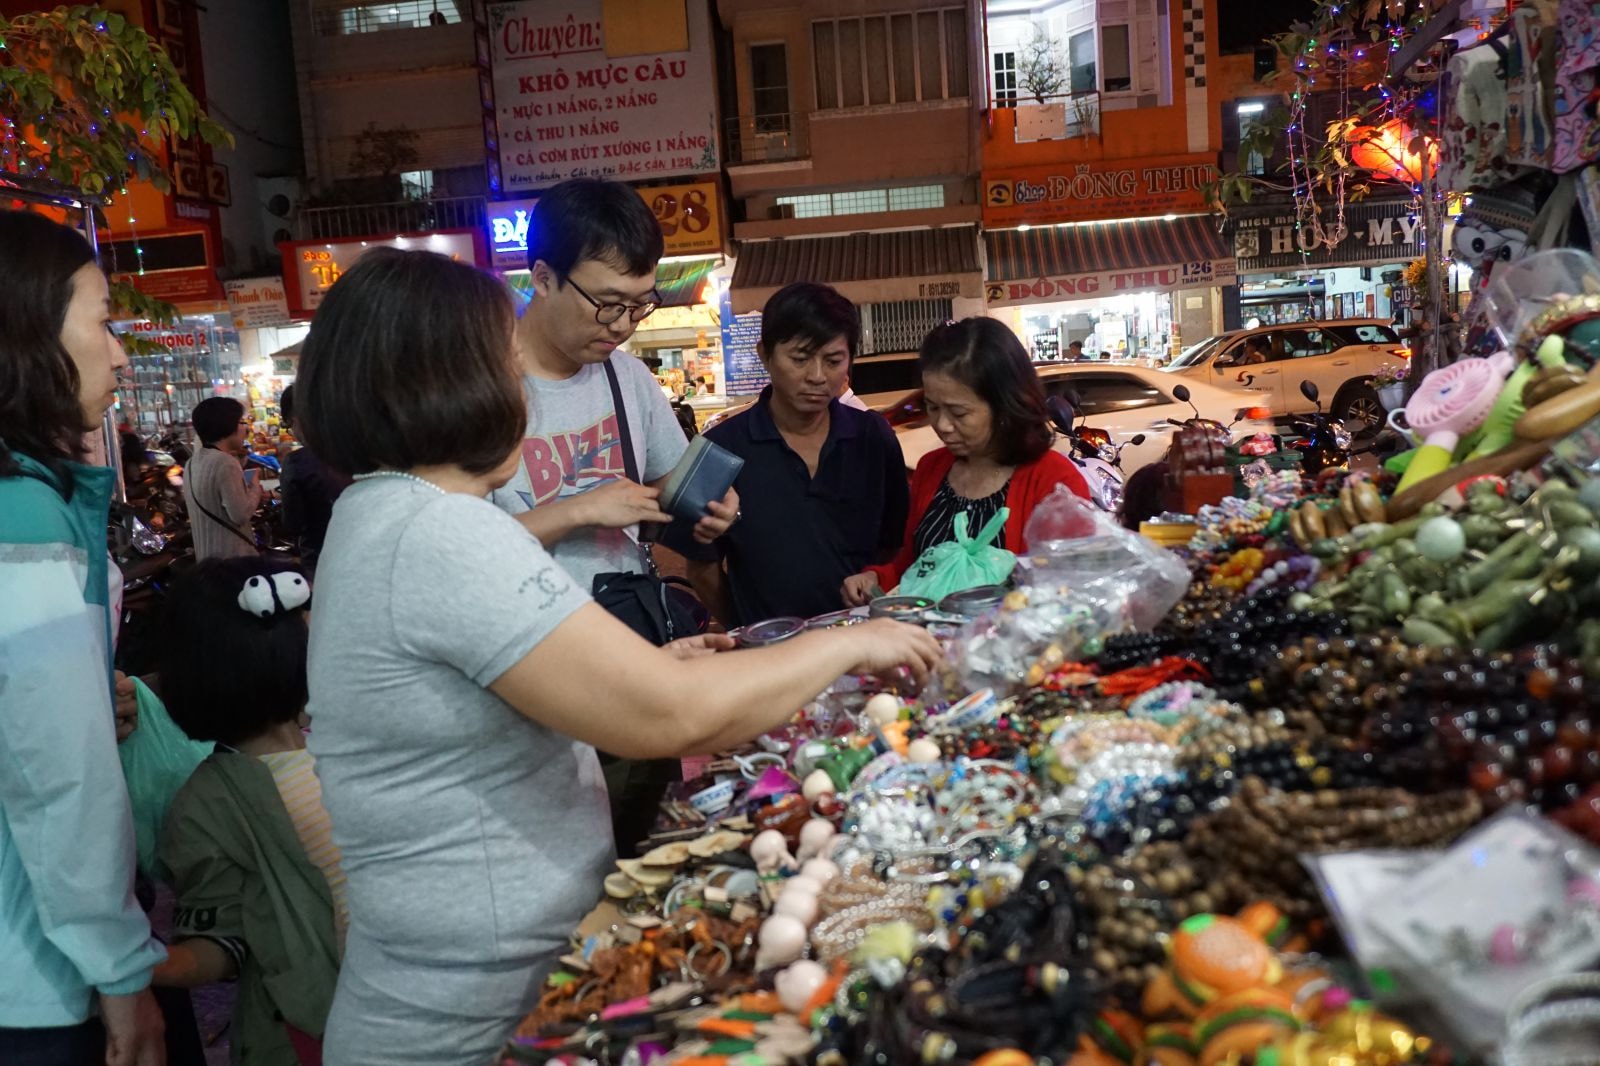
[28,156]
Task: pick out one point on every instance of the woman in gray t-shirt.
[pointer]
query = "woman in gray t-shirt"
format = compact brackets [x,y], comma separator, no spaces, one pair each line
[460,681]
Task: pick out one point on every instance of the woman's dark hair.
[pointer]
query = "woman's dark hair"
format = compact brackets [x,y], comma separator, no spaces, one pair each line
[410,362]
[985,356]
[590,218]
[812,314]
[40,414]
[1144,495]
[226,674]
[216,418]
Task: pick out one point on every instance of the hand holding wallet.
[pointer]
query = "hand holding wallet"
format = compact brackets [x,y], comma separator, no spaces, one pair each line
[703,476]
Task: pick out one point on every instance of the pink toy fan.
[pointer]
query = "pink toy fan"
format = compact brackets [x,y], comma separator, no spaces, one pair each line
[1450,403]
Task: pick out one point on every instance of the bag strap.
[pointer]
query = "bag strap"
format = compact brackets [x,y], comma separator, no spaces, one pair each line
[992,528]
[229,526]
[630,464]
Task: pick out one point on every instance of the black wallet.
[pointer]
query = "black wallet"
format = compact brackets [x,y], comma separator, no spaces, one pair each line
[703,476]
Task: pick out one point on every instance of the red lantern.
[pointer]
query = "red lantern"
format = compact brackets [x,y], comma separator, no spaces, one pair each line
[1391,151]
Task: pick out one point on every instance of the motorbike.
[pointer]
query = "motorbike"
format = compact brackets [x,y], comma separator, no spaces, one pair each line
[686,420]
[1325,442]
[1093,452]
[149,560]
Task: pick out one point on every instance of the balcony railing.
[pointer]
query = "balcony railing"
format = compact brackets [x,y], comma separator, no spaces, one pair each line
[767,138]
[406,216]
[1053,118]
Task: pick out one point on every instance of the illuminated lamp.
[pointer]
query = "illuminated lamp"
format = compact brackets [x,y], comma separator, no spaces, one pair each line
[1388,151]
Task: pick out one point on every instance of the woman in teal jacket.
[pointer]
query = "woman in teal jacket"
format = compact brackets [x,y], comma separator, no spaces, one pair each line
[71,932]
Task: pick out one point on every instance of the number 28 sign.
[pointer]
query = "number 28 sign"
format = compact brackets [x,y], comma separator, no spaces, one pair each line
[688,214]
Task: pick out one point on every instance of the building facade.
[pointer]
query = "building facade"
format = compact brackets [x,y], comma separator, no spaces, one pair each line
[1099,135]
[852,157]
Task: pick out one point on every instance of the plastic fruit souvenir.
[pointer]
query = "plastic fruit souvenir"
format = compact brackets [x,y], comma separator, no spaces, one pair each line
[1211,956]
[1237,1025]
[1169,1044]
[1450,403]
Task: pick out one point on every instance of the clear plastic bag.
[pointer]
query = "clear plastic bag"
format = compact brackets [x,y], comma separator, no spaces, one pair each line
[1084,577]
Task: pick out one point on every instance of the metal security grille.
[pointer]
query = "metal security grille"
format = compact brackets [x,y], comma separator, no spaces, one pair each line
[900,326]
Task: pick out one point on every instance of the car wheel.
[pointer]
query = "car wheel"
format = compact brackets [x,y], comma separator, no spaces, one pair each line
[1360,410]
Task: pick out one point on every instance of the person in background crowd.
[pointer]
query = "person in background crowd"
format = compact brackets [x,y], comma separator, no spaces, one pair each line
[73,942]
[1144,495]
[459,675]
[261,895]
[221,497]
[985,402]
[823,485]
[1075,352]
[308,490]
[593,247]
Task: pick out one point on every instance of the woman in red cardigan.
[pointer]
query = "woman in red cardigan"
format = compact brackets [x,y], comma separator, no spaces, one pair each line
[987,406]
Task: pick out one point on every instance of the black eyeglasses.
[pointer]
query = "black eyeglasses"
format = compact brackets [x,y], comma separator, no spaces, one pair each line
[605,314]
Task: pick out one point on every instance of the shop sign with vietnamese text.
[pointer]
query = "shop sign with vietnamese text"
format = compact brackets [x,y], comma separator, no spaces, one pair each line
[1086,192]
[566,108]
[688,214]
[1374,234]
[316,265]
[257,302]
[1112,283]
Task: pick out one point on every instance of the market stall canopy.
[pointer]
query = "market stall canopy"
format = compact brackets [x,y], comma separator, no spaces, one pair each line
[919,264]
[1085,261]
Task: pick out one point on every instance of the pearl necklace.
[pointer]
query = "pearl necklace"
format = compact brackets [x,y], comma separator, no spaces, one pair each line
[399,474]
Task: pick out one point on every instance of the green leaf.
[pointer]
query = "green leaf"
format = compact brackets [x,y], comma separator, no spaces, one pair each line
[116,24]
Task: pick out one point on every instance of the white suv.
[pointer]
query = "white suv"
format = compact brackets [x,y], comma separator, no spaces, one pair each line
[1340,356]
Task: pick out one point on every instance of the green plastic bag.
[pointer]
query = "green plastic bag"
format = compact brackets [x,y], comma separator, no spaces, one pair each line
[157,758]
[961,564]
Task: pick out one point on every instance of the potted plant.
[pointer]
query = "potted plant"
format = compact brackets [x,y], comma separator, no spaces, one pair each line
[1390,381]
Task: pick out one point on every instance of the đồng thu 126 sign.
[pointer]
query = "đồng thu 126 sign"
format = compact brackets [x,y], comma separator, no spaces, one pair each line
[566,108]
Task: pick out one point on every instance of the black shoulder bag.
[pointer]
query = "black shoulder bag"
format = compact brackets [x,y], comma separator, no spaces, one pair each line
[659,609]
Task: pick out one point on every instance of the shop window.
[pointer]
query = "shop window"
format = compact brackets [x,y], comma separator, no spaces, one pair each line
[897,58]
[1103,394]
[866,201]
[1115,61]
[377,18]
[916,198]
[1005,79]
[819,205]
[860,202]
[1085,72]
[769,87]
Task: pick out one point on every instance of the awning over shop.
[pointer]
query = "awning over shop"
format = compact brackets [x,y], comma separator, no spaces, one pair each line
[919,264]
[1090,260]
[681,282]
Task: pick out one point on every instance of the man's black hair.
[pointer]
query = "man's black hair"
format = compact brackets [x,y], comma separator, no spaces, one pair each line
[587,218]
[811,313]
[286,406]
[216,418]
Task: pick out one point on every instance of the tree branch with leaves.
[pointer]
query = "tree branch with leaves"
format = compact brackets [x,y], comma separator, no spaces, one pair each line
[87,100]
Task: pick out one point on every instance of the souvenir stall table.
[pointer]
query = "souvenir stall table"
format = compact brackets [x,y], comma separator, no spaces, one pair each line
[1322,786]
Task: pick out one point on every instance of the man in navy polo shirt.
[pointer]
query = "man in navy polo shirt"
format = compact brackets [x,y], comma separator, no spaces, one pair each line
[823,489]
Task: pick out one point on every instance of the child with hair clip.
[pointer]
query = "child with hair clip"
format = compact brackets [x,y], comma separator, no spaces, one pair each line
[247,842]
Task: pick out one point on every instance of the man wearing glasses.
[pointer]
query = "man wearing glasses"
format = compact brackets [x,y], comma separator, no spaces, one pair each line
[593,248]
